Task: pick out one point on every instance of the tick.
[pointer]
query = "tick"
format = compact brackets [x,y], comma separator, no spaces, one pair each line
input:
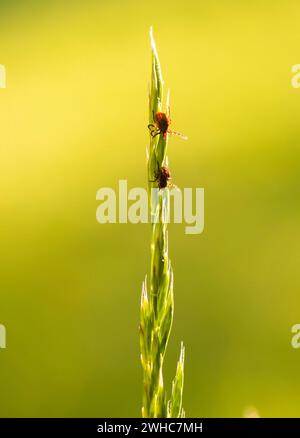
[162,126]
[162,177]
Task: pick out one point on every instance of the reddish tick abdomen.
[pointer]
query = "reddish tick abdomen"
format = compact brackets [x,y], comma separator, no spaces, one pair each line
[162,121]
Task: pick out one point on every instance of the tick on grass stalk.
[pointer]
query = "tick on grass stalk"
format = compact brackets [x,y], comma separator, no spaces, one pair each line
[162,177]
[161,125]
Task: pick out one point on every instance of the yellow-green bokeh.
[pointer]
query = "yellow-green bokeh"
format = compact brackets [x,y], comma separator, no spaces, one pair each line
[73,119]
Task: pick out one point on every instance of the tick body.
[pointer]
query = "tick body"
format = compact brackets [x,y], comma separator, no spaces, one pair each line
[163,177]
[161,125]
[162,122]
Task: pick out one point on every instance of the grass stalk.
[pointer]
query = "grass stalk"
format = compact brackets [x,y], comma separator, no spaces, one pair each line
[157,301]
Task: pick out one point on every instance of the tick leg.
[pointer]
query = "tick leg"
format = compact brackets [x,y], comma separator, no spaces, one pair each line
[152,129]
[157,133]
[183,137]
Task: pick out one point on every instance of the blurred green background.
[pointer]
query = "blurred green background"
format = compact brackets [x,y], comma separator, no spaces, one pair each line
[73,119]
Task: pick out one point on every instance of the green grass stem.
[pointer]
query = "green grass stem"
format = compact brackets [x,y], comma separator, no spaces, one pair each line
[157,301]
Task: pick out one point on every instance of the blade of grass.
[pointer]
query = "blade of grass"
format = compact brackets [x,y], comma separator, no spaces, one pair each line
[157,305]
